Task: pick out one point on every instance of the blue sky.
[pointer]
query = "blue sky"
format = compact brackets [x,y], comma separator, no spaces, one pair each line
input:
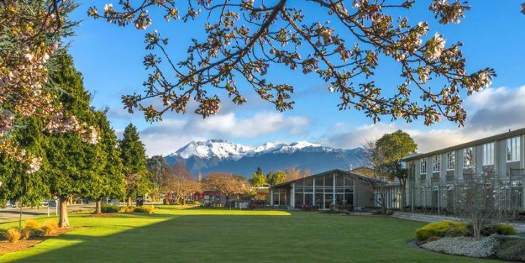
[111,57]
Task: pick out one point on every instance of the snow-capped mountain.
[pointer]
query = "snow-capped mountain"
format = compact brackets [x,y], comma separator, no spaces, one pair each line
[213,148]
[220,155]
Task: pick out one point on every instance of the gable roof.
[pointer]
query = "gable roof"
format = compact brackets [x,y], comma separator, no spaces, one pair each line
[324,173]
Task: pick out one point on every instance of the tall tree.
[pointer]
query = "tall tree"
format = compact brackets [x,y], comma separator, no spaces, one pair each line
[276,178]
[25,182]
[133,157]
[259,179]
[391,148]
[110,182]
[159,171]
[74,160]
[342,42]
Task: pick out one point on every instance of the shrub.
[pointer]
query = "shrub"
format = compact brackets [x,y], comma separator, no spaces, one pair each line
[49,228]
[465,246]
[32,224]
[13,235]
[511,249]
[440,229]
[126,209]
[109,208]
[144,209]
[196,203]
[37,232]
[504,229]
[26,233]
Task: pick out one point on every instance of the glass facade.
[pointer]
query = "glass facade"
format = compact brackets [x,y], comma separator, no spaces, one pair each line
[320,191]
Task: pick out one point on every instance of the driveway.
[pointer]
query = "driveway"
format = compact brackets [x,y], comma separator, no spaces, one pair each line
[13,214]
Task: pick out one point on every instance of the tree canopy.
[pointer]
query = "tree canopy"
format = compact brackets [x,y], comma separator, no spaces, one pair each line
[276,178]
[341,42]
[258,178]
[134,160]
[74,162]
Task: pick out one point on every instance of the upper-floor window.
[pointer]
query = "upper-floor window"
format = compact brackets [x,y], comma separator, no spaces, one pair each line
[513,149]
[488,154]
[468,157]
[423,166]
[435,163]
[451,160]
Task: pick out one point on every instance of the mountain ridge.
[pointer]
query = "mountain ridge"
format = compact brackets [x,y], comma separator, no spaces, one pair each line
[223,156]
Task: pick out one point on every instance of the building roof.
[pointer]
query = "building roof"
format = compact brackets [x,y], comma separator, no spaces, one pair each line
[497,137]
[323,173]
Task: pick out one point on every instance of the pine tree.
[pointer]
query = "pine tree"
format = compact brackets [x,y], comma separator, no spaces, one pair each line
[133,156]
[74,163]
[259,179]
[110,182]
[24,182]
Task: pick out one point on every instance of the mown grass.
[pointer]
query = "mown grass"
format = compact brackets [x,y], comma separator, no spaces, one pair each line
[215,235]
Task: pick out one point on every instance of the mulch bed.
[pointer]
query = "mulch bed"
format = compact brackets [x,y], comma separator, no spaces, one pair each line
[8,247]
[104,215]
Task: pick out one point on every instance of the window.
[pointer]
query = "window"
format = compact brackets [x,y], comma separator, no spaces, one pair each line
[435,164]
[423,166]
[451,161]
[488,154]
[513,149]
[468,157]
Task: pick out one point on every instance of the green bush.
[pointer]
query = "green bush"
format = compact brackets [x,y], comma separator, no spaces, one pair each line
[441,229]
[504,229]
[511,249]
[144,209]
[109,208]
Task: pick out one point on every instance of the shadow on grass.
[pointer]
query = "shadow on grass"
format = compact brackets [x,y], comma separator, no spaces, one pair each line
[235,238]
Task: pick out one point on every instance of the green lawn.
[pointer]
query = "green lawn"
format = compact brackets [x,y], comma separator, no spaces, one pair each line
[209,235]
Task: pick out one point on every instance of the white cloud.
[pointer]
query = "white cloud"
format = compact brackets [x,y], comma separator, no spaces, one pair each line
[491,111]
[169,135]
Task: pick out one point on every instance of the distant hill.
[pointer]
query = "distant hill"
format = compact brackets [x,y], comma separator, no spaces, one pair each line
[219,155]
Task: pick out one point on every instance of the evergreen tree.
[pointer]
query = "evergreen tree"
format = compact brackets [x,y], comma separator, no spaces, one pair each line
[25,182]
[110,182]
[276,178]
[74,162]
[159,171]
[133,157]
[258,178]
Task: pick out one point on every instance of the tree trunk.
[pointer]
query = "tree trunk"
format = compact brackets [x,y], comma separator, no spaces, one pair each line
[20,220]
[98,207]
[63,221]
[129,200]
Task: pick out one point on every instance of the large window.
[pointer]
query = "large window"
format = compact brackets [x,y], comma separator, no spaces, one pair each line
[423,166]
[451,161]
[468,157]
[513,149]
[435,164]
[488,154]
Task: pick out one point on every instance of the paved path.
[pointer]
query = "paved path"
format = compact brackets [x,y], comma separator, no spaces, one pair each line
[520,227]
[13,214]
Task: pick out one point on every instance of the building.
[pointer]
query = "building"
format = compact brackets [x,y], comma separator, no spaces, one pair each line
[319,191]
[432,177]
